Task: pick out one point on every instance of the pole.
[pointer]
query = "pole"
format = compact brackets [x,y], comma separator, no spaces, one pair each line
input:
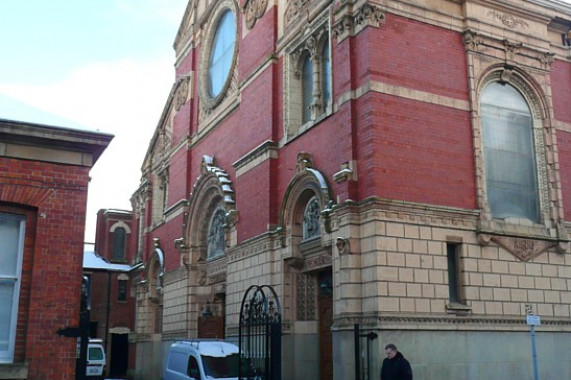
[534,353]
[357,356]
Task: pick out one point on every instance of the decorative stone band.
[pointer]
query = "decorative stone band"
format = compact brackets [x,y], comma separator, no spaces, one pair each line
[445,322]
[351,22]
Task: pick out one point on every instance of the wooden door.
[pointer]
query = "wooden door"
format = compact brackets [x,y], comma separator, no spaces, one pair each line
[325,336]
[211,327]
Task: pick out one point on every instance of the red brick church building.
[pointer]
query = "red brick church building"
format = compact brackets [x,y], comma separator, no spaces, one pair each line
[400,165]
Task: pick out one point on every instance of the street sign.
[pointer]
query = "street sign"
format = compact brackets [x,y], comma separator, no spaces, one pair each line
[533,320]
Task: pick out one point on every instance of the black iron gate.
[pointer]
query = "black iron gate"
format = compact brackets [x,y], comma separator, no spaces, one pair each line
[260,334]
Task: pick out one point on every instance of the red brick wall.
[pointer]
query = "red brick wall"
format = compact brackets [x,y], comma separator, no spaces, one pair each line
[258,44]
[561,90]
[416,152]
[52,278]
[415,55]
[564,147]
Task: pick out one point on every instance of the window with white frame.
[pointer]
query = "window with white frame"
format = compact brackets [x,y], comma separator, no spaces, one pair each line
[509,154]
[308,79]
[12,230]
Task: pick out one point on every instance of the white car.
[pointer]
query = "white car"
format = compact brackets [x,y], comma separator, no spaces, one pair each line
[95,365]
[201,360]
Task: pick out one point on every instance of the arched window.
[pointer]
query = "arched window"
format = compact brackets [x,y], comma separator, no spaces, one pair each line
[509,154]
[216,234]
[119,244]
[311,217]
[325,75]
[307,89]
[222,53]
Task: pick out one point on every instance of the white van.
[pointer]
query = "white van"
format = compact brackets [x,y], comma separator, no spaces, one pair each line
[201,360]
[95,358]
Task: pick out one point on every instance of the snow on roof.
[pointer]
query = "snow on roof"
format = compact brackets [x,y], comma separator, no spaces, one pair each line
[93,261]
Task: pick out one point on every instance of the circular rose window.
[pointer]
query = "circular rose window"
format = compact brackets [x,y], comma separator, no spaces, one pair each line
[221,54]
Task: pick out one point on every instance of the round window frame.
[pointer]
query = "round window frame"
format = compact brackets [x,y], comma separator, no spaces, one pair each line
[209,101]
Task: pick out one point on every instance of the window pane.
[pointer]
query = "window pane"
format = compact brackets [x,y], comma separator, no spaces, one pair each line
[509,156]
[122,290]
[119,243]
[6,311]
[452,272]
[10,238]
[216,234]
[326,76]
[307,89]
[222,53]
[311,217]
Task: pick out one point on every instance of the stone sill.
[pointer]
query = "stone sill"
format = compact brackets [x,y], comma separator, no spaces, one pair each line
[13,370]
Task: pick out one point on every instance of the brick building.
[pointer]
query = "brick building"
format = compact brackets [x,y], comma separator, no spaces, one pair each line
[44,175]
[400,165]
[108,265]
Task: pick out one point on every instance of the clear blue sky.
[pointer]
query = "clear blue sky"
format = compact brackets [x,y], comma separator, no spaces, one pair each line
[103,64]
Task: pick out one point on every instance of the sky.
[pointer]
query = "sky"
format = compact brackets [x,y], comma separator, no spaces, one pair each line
[105,65]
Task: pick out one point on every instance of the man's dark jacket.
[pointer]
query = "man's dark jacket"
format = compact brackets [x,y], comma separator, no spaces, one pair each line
[397,368]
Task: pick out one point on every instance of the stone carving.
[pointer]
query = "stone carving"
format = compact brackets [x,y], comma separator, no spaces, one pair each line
[353,23]
[304,161]
[201,278]
[511,48]
[317,262]
[546,60]
[369,15]
[509,20]
[472,40]
[311,217]
[181,93]
[523,249]
[216,234]
[343,246]
[294,10]
[253,10]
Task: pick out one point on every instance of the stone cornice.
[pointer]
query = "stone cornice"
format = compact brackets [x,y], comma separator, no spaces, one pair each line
[445,322]
[263,152]
[426,214]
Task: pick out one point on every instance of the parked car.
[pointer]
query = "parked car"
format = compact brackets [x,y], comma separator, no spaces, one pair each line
[201,360]
[95,359]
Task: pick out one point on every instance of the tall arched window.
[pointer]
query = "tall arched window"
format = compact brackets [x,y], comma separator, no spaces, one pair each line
[307,89]
[325,75]
[509,154]
[119,244]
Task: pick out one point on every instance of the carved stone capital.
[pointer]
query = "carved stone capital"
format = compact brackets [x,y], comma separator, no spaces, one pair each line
[356,20]
[472,40]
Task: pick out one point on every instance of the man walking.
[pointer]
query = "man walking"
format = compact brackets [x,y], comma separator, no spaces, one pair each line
[395,366]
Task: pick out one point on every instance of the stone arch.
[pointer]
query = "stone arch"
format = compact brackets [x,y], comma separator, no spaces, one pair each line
[120,224]
[212,191]
[543,134]
[156,272]
[306,184]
